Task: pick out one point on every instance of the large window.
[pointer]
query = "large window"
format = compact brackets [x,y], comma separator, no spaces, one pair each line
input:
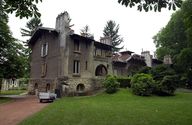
[76,45]
[44,49]
[76,67]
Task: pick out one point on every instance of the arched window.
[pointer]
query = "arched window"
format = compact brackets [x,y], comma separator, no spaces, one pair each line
[101,70]
[80,87]
[36,86]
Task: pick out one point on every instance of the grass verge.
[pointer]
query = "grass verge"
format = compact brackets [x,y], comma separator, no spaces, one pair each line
[122,108]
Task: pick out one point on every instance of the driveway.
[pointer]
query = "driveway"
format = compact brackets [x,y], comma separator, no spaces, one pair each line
[21,107]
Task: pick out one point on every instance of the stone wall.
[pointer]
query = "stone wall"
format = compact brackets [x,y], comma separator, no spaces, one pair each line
[40,85]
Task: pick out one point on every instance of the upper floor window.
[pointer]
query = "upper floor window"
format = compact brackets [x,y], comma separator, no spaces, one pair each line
[76,45]
[43,69]
[44,49]
[76,67]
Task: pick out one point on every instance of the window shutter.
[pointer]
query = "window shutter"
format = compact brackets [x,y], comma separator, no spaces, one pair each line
[46,48]
[42,50]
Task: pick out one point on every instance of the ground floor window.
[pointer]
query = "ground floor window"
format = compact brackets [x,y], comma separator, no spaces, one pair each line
[80,88]
[101,70]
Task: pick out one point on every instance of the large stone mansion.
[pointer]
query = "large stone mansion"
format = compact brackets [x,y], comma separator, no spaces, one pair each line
[72,64]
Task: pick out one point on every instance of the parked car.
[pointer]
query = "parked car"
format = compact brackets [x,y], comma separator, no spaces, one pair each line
[47,96]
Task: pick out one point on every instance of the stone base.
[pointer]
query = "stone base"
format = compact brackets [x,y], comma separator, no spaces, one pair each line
[66,86]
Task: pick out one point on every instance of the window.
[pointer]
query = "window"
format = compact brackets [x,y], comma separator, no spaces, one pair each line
[43,69]
[101,70]
[44,49]
[76,45]
[48,87]
[86,65]
[76,67]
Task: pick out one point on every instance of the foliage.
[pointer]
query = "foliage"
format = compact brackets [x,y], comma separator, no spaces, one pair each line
[12,92]
[142,84]
[167,85]
[149,5]
[124,82]
[12,53]
[111,84]
[122,108]
[145,69]
[175,40]
[85,31]
[31,26]
[111,30]
[22,8]
[4,99]
[159,71]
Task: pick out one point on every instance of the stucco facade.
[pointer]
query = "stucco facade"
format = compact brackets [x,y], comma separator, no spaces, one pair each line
[66,62]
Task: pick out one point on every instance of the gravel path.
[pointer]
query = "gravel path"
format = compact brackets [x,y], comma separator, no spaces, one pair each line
[21,107]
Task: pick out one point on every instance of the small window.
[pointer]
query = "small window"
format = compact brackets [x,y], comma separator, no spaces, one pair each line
[86,65]
[43,69]
[44,49]
[76,45]
[76,67]
[48,87]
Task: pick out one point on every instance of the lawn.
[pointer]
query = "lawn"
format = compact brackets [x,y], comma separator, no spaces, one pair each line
[12,92]
[122,108]
[4,100]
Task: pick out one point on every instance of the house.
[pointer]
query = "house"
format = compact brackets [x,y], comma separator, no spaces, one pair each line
[66,62]
[124,63]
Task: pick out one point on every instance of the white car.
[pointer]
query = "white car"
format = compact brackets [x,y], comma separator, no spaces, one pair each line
[48,96]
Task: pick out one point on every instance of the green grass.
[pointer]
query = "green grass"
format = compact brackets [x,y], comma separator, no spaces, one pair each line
[122,108]
[4,100]
[12,92]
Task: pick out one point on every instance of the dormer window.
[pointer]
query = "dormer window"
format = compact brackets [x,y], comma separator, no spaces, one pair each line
[44,49]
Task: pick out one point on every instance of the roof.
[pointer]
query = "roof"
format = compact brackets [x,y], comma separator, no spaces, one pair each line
[38,33]
[102,45]
[126,52]
[124,58]
[76,36]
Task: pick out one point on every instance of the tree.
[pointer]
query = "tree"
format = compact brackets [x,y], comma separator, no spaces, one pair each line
[176,39]
[111,30]
[149,5]
[85,31]
[31,26]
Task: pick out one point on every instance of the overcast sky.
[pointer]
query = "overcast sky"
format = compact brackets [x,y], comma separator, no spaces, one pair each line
[137,28]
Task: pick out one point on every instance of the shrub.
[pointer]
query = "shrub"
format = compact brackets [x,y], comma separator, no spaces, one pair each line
[158,72]
[167,86]
[124,82]
[142,84]
[111,84]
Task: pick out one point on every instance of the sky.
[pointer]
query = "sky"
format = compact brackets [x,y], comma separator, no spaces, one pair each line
[136,28]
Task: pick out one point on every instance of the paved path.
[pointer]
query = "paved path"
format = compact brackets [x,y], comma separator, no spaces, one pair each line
[21,107]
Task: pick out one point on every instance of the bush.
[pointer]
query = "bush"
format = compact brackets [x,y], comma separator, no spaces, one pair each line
[158,72]
[167,86]
[124,82]
[142,84]
[111,84]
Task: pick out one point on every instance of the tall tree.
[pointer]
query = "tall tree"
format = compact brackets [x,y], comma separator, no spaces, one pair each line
[85,31]
[111,30]
[149,5]
[31,26]
[176,39]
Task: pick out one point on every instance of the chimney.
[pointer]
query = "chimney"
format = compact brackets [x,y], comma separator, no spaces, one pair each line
[167,60]
[105,40]
[62,22]
[148,58]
